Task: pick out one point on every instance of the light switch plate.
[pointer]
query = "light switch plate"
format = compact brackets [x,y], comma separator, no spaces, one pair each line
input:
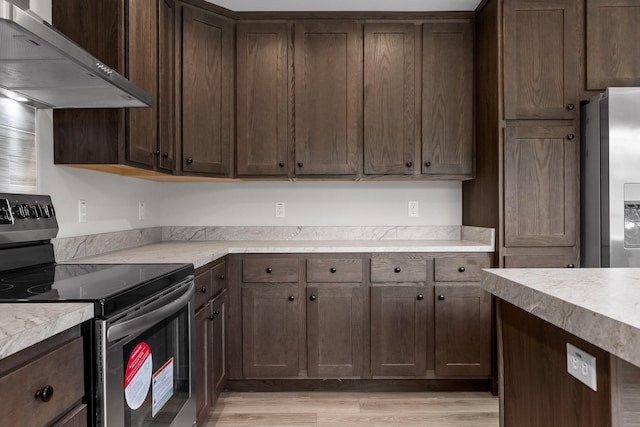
[582,365]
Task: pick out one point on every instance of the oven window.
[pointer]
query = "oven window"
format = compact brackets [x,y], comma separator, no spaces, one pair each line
[157,361]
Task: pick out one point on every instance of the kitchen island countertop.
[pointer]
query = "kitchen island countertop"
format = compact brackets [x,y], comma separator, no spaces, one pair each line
[599,305]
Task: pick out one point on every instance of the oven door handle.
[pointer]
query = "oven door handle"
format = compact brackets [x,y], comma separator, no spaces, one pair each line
[145,321]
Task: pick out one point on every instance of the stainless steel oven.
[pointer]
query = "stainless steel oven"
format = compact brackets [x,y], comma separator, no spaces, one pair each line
[144,362]
[139,346]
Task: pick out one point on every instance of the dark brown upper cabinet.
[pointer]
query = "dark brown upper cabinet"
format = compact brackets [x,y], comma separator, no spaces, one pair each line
[389,99]
[613,50]
[207,92]
[263,99]
[447,99]
[541,51]
[135,38]
[540,186]
[328,97]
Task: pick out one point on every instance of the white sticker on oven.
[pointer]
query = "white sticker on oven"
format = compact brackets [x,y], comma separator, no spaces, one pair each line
[137,377]
[162,388]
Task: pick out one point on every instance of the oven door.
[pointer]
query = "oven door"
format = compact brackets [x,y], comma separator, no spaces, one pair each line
[144,363]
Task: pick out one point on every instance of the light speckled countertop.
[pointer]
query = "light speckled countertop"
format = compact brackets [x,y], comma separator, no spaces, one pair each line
[25,324]
[599,305]
[200,253]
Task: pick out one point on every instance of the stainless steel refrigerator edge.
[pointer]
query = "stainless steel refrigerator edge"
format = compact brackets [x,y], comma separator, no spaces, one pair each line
[610,180]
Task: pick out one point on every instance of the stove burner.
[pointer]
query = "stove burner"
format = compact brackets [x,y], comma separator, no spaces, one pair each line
[5,287]
[33,277]
[39,289]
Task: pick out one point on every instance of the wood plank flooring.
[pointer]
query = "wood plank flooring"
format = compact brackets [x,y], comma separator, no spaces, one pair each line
[342,409]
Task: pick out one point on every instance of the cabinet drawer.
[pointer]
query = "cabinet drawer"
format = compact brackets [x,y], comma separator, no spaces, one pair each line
[460,269]
[61,369]
[202,284]
[270,270]
[398,270]
[334,270]
[218,279]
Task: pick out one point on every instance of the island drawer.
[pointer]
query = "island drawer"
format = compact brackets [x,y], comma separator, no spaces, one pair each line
[218,278]
[202,284]
[334,270]
[398,270]
[269,270]
[463,268]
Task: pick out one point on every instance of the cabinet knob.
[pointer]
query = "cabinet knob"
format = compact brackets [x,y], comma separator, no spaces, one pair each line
[281,164]
[420,297]
[571,107]
[570,265]
[461,269]
[292,298]
[211,317]
[203,290]
[333,270]
[427,164]
[312,298]
[189,160]
[269,270]
[216,313]
[300,164]
[45,393]
[441,297]
[571,137]
[409,164]
[156,153]
[165,155]
[397,269]
[221,277]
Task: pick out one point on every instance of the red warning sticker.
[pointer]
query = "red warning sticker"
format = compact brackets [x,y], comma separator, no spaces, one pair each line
[137,377]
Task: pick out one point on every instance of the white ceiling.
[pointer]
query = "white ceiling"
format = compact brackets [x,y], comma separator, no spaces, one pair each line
[346,5]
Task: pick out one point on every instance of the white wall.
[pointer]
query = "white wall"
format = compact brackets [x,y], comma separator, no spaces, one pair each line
[113,200]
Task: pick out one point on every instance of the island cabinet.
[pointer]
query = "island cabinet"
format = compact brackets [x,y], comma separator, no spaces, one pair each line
[364,317]
[206,85]
[328,97]
[210,332]
[613,50]
[43,385]
[135,38]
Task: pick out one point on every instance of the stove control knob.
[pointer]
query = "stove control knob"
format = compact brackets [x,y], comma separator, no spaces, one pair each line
[52,211]
[36,212]
[45,211]
[20,211]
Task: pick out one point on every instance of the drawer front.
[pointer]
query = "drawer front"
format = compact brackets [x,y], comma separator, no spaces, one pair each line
[460,269]
[61,369]
[218,278]
[334,270]
[398,270]
[270,270]
[202,283]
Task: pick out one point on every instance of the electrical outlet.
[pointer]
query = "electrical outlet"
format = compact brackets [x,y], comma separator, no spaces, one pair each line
[413,209]
[582,365]
[280,210]
[82,211]
[141,213]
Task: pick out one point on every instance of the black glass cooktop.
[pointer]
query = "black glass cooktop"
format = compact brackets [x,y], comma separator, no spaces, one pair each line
[110,287]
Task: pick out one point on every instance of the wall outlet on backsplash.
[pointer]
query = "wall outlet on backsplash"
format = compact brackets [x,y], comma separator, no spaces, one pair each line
[82,210]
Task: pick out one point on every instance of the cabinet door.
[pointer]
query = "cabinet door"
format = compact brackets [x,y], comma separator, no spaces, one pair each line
[540,186]
[142,43]
[335,331]
[166,85]
[613,51]
[328,98]
[541,50]
[207,60]
[398,331]
[389,105]
[270,322]
[263,102]
[203,352]
[462,331]
[447,99]
[219,344]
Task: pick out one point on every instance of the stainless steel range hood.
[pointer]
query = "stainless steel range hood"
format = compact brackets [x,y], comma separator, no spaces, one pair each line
[51,71]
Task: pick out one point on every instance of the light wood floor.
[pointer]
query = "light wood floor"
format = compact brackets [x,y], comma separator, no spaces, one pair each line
[342,409]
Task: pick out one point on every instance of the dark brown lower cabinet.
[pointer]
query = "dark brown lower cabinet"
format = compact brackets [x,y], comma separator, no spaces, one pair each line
[219,343]
[270,329]
[462,331]
[203,363]
[399,331]
[335,331]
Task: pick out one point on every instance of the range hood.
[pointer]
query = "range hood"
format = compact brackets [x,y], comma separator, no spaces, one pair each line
[41,64]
